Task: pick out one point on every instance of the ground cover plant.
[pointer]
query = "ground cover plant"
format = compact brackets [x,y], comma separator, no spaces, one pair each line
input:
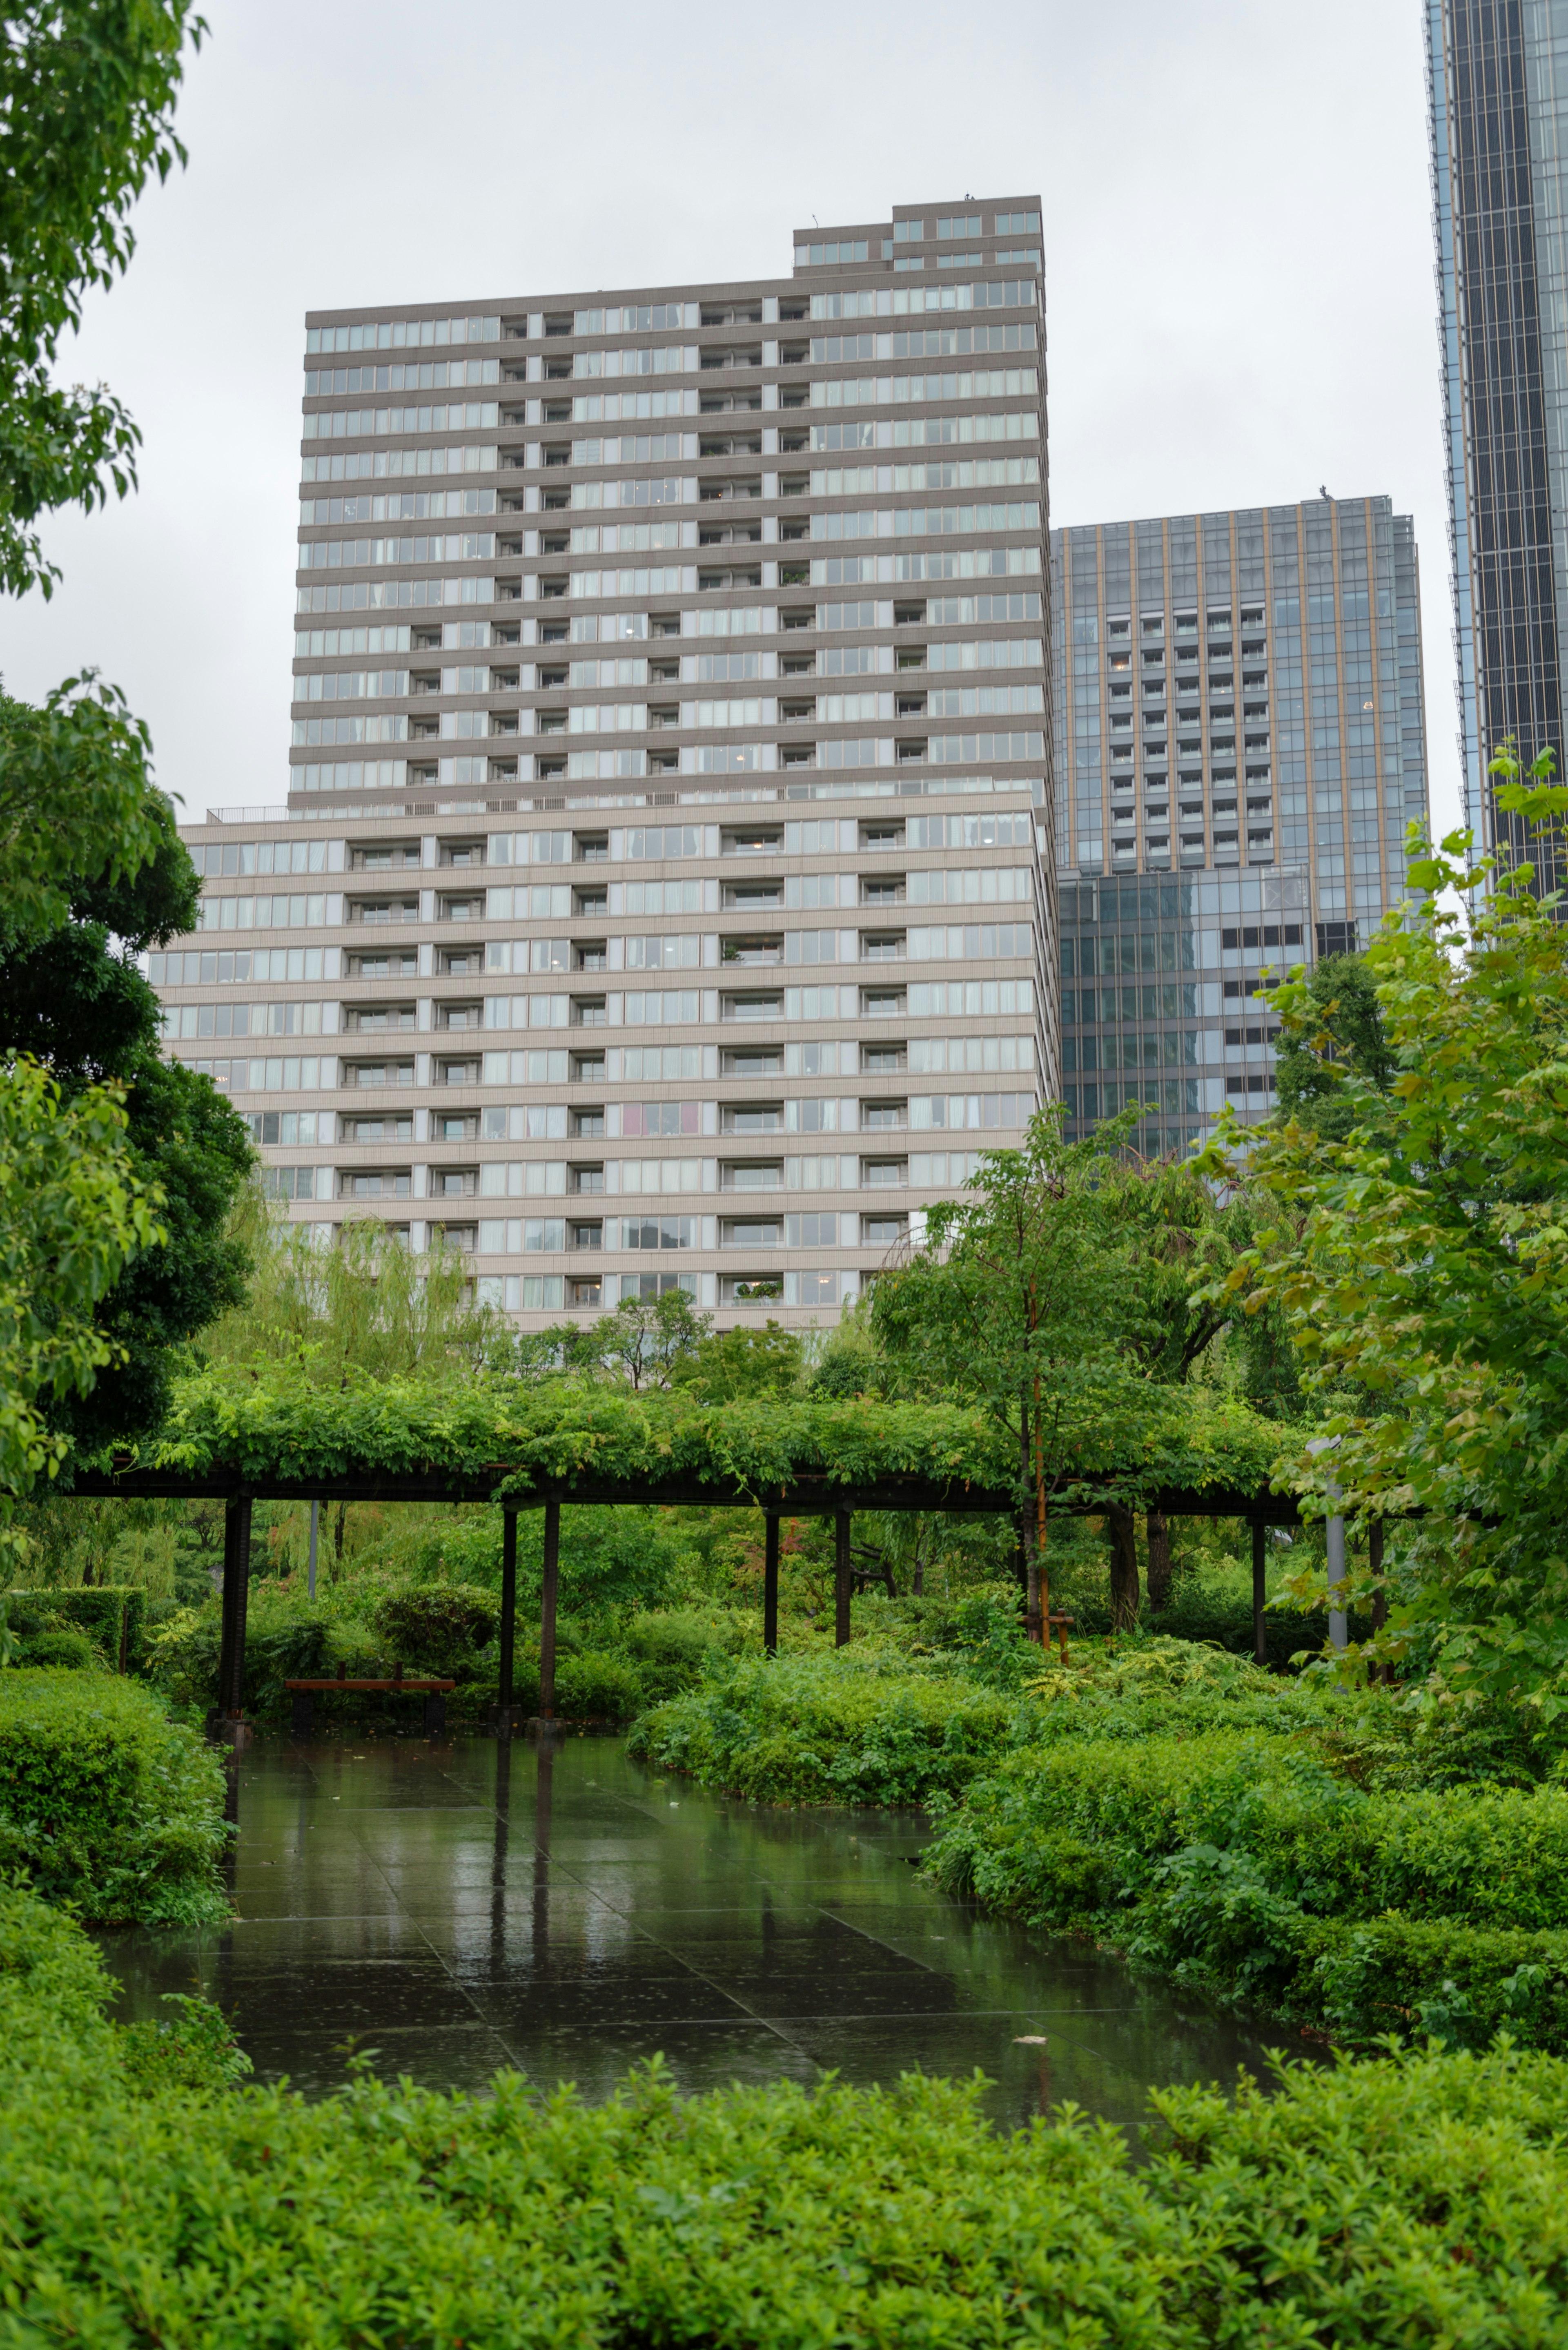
[1417,2200]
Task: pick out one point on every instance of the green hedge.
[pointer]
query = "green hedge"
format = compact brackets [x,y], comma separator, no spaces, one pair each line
[105,1803]
[1252,1867]
[1409,2202]
[871,1724]
[112,1616]
[854,1726]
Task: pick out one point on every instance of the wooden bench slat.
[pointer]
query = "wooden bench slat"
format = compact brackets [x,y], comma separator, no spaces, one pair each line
[409,1681]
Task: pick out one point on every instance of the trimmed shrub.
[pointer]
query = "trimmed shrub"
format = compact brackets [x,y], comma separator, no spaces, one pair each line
[106,1804]
[853,1726]
[61,1648]
[112,1616]
[437,1628]
[1249,1868]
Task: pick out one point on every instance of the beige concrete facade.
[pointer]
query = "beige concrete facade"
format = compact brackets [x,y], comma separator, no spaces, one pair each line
[668,823]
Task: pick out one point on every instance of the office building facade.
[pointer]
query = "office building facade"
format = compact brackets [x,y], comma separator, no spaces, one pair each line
[1240,745]
[1498,89]
[668,897]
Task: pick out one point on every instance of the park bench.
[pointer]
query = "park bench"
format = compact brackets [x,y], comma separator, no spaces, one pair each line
[303,1692]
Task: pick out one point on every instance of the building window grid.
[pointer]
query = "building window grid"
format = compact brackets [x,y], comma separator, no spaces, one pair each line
[937,1168]
[1102,563]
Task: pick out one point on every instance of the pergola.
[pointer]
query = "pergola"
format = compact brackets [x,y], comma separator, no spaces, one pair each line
[240,1438]
[810,1493]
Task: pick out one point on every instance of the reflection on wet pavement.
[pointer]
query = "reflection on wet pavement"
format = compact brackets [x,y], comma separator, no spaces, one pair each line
[451,1908]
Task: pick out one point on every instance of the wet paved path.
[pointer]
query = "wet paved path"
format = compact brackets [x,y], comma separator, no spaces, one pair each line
[459,1907]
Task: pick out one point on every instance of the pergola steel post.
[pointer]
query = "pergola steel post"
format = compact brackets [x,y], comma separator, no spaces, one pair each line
[236,1590]
[771,1582]
[547,1611]
[842,1579]
[504,1694]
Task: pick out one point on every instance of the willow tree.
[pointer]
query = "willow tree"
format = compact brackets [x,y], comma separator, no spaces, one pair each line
[1023,1298]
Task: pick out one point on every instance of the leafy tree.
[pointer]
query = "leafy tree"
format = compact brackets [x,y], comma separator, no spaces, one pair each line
[75,1212]
[74,999]
[1335,1031]
[91,867]
[737,1365]
[653,1342]
[87,94]
[365,1308]
[1182,1234]
[1022,1299]
[1431,1268]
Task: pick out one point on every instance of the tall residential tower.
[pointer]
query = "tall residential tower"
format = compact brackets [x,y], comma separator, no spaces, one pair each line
[658,898]
[1239,707]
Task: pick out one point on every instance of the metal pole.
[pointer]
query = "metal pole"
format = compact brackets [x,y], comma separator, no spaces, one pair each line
[1260,1632]
[315,1516]
[771,1584]
[842,1581]
[1338,1624]
[547,1611]
[503,1696]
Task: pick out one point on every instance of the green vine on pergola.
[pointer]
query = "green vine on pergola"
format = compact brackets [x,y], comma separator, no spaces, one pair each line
[503,1440]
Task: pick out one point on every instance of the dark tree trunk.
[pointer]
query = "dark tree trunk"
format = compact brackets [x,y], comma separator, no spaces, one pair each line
[1124,1567]
[1158,1559]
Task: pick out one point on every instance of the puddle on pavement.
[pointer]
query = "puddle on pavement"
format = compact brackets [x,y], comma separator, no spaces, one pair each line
[451,1909]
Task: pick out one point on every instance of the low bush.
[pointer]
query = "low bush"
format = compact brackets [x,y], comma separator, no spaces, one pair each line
[852,1726]
[1422,2201]
[112,1618]
[59,1647]
[105,1803]
[1252,1867]
[436,1627]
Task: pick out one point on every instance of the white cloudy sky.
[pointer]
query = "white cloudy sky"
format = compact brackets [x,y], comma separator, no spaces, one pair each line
[1237,231]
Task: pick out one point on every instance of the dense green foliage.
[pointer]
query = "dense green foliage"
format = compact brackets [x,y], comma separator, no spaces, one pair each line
[97,1134]
[1327,1856]
[74,1213]
[516,1436]
[105,1803]
[1373,2204]
[108,1621]
[87,92]
[1335,1031]
[1421,1258]
[74,1001]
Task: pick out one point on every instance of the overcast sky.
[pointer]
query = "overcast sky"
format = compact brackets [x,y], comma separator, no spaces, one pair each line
[1238,244]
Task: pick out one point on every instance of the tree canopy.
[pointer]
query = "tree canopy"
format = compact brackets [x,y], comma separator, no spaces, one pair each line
[86,97]
[1425,1265]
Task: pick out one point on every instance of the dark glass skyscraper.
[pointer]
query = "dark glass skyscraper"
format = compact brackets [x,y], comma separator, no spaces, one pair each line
[1499,117]
[1238,701]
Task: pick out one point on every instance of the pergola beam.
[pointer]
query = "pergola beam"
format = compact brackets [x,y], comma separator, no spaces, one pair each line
[805,1497]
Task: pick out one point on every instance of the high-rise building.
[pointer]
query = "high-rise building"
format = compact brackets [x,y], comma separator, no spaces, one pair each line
[667,902]
[1497,83]
[1240,747]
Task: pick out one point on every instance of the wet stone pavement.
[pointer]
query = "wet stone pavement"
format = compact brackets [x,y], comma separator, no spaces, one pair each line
[448,1909]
